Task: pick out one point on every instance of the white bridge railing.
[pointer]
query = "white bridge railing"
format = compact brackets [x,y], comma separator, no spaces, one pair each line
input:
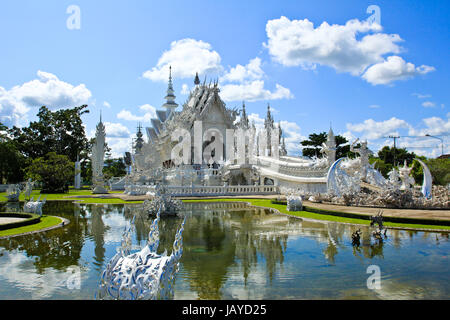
[196,191]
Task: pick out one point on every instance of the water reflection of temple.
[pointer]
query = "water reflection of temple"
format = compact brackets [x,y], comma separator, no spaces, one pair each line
[223,236]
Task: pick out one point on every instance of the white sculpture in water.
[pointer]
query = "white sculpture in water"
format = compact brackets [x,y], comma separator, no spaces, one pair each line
[97,158]
[144,275]
[34,206]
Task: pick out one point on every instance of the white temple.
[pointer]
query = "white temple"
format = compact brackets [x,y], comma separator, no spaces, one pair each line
[207,149]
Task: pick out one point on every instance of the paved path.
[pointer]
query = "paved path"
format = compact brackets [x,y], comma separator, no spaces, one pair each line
[404,213]
[10,220]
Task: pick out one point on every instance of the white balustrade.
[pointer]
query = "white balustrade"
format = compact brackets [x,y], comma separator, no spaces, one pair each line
[204,190]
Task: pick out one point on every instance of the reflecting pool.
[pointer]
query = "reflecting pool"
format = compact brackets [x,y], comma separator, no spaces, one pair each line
[230,251]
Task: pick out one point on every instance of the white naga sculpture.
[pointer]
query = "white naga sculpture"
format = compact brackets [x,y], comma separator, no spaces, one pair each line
[144,275]
[427,184]
[162,203]
[34,206]
[97,158]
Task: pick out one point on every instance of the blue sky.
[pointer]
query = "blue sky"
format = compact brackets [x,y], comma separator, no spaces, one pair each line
[315,62]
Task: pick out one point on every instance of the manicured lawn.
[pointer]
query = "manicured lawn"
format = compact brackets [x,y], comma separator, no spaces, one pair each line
[320,216]
[46,222]
[72,192]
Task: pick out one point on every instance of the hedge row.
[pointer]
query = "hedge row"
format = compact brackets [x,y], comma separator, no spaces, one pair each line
[30,219]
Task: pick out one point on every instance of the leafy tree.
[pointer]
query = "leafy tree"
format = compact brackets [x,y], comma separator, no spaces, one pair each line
[315,142]
[387,154]
[58,131]
[440,170]
[114,168]
[381,166]
[55,171]
[11,160]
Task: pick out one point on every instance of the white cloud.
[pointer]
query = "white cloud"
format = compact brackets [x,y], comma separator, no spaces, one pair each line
[116,130]
[412,138]
[106,104]
[252,71]
[291,132]
[421,96]
[150,112]
[253,91]
[374,106]
[186,56]
[428,104]
[372,129]
[392,69]
[351,48]
[299,43]
[47,91]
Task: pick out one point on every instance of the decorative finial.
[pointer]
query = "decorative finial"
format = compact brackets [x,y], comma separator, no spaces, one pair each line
[196,80]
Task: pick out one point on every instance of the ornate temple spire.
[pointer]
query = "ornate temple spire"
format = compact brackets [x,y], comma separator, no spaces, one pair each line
[331,139]
[170,104]
[244,118]
[268,123]
[139,140]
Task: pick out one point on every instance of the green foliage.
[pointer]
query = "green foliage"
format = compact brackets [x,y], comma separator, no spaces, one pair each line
[381,166]
[114,168]
[58,131]
[55,171]
[315,142]
[440,170]
[387,154]
[11,160]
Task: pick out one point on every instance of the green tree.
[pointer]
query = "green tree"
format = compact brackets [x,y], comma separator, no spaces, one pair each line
[54,171]
[387,154]
[440,170]
[60,131]
[114,168]
[315,142]
[11,160]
